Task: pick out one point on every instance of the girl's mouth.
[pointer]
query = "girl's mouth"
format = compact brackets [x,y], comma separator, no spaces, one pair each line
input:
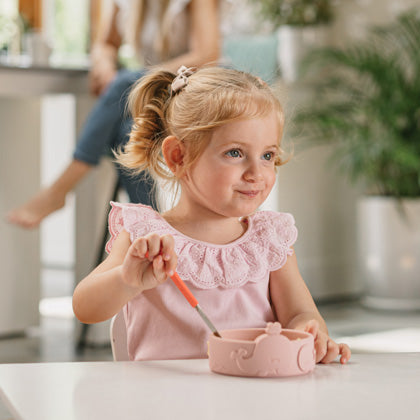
[250,194]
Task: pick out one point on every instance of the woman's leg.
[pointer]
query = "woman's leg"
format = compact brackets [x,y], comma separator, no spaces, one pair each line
[99,134]
[102,129]
[49,199]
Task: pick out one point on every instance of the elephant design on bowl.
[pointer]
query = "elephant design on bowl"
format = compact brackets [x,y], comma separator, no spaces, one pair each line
[268,352]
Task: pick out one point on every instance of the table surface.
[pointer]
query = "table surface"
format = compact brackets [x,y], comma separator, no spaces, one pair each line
[378,386]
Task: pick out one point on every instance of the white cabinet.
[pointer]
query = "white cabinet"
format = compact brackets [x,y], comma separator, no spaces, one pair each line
[19,249]
[23,96]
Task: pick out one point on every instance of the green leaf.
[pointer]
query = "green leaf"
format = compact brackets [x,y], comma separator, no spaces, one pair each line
[367,102]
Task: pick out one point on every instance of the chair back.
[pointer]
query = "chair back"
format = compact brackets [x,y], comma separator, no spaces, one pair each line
[118,334]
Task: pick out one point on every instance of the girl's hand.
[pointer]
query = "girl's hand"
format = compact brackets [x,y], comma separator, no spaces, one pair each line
[149,261]
[326,349]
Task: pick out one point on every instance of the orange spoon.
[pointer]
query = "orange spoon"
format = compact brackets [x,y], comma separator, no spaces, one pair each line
[183,288]
[193,302]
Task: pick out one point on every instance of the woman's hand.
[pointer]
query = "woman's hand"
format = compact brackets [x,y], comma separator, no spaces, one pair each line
[104,58]
[326,349]
[101,75]
[149,261]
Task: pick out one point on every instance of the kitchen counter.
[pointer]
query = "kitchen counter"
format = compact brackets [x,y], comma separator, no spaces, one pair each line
[22,80]
[39,103]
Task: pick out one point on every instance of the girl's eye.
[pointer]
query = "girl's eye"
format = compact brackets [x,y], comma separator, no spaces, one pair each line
[235,153]
[268,156]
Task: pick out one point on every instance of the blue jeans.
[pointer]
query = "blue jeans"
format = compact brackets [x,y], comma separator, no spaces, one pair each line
[107,127]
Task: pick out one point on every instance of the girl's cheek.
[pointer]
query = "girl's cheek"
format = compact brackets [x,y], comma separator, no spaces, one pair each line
[271,176]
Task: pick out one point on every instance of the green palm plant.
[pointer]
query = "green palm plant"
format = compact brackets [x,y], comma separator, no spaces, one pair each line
[296,12]
[367,103]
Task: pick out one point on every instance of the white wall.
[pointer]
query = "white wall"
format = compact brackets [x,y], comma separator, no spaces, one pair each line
[19,249]
[354,16]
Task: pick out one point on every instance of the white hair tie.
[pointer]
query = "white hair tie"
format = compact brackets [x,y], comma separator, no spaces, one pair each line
[181,80]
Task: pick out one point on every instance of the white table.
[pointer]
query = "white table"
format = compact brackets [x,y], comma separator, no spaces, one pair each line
[372,386]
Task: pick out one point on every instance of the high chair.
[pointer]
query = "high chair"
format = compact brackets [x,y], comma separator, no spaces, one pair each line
[82,340]
[118,335]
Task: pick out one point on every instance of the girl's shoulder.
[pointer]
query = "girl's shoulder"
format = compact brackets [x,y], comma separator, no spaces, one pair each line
[267,219]
[136,219]
[276,233]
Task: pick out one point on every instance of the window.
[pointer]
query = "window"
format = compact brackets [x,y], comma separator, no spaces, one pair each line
[8,7]
[66,26]
[9,25]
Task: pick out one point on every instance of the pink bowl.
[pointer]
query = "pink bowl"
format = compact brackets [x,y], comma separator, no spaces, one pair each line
[262,352]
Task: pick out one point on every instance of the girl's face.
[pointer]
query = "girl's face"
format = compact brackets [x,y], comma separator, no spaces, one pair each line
[235,173]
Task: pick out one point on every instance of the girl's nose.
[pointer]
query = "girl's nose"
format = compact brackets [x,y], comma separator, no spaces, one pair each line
[253,172]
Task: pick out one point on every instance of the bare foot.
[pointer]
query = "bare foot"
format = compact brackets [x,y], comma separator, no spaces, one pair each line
[31,214]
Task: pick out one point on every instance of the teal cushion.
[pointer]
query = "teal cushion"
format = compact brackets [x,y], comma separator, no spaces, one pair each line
[256,54]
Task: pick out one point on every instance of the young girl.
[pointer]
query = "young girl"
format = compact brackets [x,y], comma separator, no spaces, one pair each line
[215,133]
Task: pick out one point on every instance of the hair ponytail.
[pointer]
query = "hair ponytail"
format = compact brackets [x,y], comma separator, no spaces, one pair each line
[147,104]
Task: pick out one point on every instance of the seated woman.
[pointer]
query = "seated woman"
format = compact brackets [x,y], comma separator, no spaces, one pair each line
[166,34]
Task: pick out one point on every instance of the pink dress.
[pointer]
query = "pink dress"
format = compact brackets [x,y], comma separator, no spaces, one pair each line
[229,281]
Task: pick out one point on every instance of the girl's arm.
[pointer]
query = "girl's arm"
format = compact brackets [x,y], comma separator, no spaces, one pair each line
[296,309]
[204,37]
[130,269]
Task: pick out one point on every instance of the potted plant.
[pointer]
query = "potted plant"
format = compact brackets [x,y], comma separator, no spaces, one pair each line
[367,104]
[300,25]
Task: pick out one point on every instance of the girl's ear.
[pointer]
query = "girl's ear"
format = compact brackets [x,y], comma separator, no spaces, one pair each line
[173,151]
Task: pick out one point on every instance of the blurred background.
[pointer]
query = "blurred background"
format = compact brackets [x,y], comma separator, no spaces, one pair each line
[353,126]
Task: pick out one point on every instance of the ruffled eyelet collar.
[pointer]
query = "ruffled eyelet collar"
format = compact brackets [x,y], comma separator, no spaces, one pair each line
[262,248]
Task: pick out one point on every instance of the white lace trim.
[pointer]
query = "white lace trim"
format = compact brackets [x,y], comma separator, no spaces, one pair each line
[264,247]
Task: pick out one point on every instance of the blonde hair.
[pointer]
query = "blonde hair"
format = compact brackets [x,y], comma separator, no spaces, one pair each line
[213,97]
